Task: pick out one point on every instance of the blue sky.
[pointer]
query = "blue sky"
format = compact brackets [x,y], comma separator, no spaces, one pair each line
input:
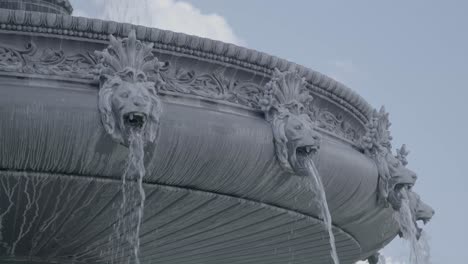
[410,56]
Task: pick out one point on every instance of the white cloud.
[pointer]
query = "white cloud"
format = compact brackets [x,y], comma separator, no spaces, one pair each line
[172,15]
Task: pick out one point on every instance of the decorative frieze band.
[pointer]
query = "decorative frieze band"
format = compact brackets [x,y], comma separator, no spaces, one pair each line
[215,85]
[64,25]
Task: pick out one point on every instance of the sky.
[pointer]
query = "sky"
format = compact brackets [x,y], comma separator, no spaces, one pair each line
[411,56]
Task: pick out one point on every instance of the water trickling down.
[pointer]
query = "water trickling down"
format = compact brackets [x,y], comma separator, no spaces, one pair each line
[316,186]
[130,212]
[419,248]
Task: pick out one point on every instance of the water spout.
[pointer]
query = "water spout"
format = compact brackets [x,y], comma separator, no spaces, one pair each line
[130,213]
[316,186]
[409,230]
[130,108]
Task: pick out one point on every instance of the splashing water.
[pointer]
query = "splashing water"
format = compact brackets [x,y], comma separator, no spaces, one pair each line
[382,260]
[130,213]
[316,186]
[419,249]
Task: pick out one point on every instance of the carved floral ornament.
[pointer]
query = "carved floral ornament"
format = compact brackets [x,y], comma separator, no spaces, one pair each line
[215,85]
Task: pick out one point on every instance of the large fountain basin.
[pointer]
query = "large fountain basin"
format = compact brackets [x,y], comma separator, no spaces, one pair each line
[215,189]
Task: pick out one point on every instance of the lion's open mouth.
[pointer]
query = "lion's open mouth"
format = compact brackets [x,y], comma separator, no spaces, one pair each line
[400,186]
[305,151]
[134,119]
[425,218]
[304,154]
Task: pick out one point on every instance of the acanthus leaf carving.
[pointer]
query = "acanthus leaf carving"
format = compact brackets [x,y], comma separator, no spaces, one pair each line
[401,155]
[330,122]
[46,62]
[216,85]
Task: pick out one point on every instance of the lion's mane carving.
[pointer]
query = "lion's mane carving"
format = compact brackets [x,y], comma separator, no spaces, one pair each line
[284,104]
[130,78]
[395,176]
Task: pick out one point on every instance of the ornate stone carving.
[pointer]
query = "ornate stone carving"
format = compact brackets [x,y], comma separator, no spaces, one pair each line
[214,86]
[46,62]
[284,104]
[420,211]
[129,81]
[393,175]
[261,63]
[333,123]
[401,155]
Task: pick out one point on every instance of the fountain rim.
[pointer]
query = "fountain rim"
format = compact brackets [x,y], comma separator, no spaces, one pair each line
[231,55]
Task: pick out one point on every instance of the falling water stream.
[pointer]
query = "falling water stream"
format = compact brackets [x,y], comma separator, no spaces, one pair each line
[316,186]
[130,213]
[419,248]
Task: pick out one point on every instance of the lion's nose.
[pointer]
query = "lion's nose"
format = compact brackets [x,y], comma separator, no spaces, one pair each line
[138,101]
[315,135]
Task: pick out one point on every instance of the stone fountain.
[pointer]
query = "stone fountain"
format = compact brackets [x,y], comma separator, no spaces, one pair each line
[227,133]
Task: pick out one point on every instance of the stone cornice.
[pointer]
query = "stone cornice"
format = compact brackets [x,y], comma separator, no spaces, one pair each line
[99,30]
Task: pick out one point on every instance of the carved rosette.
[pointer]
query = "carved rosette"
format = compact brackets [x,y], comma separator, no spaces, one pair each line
[284,103]
[130,79]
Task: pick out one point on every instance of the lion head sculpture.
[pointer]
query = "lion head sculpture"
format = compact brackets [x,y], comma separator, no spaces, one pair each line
[397,177]
[420,211]
[295,139]
[392,170]
[129,82]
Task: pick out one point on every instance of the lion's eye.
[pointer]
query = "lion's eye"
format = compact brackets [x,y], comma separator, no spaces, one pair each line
[298,127]
[146,98]
[124,95]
